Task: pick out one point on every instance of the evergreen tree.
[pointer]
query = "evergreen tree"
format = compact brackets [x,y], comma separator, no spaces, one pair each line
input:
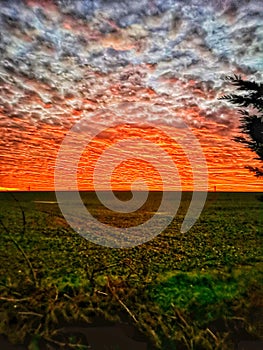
[250,99]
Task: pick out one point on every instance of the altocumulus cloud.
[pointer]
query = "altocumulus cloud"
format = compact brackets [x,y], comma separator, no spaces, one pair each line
[63,59]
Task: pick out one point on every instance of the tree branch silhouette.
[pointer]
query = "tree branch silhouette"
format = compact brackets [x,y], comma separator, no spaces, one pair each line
[250,96]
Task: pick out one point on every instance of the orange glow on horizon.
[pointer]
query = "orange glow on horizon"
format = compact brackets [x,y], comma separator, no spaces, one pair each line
[34,165]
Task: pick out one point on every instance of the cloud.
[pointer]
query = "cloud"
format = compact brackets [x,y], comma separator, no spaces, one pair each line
[65,60]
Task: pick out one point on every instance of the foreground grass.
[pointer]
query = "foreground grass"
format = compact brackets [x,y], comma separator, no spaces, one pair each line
[201,290]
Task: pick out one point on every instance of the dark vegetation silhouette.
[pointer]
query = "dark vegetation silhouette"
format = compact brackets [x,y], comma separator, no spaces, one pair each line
[249,97]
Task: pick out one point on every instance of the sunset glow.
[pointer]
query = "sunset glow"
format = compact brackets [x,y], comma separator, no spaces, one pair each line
[70,62]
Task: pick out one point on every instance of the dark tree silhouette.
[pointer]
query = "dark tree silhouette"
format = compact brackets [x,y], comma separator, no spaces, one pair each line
[251,128]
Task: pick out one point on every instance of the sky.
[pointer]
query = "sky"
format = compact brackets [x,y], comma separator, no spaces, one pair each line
[122,64]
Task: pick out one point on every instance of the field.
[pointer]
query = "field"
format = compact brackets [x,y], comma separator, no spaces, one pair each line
[198,290]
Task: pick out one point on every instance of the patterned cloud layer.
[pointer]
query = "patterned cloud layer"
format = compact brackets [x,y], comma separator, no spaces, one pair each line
[63,60]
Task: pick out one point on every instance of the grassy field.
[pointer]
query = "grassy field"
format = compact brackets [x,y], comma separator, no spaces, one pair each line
[199,290]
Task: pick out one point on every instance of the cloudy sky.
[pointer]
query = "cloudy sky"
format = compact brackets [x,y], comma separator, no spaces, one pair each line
[121,64]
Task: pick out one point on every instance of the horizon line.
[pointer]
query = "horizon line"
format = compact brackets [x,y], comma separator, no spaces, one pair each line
[118,190]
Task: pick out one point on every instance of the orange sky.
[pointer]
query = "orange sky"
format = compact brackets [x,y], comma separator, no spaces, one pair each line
[31,161]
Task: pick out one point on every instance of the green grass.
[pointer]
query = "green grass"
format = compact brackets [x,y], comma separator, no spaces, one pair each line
[175,289]
[201,293]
